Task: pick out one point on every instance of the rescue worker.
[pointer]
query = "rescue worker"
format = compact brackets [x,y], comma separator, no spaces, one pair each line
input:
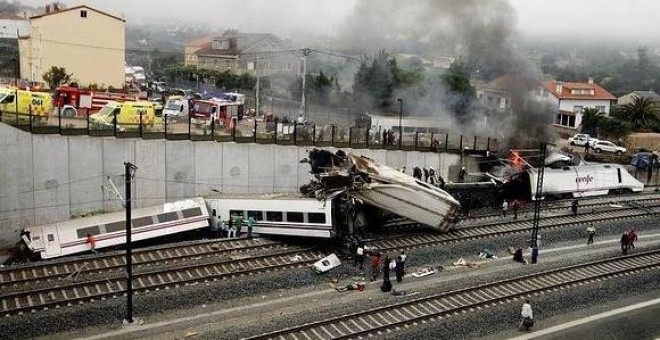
[426,175]
[515,206]
[462,174]
[399,269]
[632,237]
[250,225]
[527,317]
[417,173]
[359,255]
[574,206]
[375,266]
[231,227]
[591,231]
[386,268]
[624,243]
[432,175]
[505,207]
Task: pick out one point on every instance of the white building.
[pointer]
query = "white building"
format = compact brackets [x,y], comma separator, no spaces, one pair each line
[572,98]
[11,26]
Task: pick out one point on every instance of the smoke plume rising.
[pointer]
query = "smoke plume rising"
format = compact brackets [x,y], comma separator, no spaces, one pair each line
[480,33]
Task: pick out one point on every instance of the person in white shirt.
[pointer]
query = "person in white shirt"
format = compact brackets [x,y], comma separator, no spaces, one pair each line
[527,316]
[505,207]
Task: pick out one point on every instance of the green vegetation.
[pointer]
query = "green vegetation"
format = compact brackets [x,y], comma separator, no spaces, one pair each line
[641,113]
[460,92]
[225,79]
[56,76]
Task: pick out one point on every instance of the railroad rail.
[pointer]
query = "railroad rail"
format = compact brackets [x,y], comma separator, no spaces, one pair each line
[69,293]
[66,292]
[427,239]
[392,317]
[19,277]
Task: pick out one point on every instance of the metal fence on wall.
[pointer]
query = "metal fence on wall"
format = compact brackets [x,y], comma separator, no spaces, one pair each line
[251,130]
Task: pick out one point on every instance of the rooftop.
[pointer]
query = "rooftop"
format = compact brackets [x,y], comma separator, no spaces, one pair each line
[578,91]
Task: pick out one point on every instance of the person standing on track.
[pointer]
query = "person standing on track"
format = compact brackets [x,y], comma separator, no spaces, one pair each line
[624,243]
[574,206]
[375,266]
[527,317]
[91,240]
[505,207]
[632,237]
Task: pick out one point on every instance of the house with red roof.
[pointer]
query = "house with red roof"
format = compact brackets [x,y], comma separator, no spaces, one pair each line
[571,99]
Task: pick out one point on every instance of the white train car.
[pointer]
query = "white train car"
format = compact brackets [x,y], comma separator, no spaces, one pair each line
[290,216]
[584,180]
[70,237]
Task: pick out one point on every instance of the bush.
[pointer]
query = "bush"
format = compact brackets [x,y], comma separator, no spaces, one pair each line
[614,128]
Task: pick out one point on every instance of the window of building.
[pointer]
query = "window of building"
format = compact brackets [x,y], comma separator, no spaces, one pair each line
[600,108]
[83,13]
[227,64]
[577,109]
[250,65]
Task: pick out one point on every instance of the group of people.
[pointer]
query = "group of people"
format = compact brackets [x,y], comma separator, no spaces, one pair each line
[389,137]
[379,261]
[429,175]
[232,228]
[515,205]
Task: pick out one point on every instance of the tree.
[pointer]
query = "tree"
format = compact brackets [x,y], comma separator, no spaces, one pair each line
[641,112]
[460,93]
[591,118]
[56,76]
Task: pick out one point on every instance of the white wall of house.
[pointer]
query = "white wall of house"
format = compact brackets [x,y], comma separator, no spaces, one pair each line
[571,104]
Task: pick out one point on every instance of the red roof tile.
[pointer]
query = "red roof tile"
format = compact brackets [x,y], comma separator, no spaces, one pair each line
[567,92]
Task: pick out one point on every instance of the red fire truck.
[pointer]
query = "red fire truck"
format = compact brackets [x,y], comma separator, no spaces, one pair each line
[231,106]
[74,101]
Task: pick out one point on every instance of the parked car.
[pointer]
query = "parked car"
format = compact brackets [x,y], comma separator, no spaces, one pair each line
[607,146]
[581,139]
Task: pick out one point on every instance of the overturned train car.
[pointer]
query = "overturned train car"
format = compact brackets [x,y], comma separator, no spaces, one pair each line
[573,181]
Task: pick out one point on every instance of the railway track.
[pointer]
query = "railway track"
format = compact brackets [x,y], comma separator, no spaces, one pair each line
[60,293]
[382,320]
[20,277]
[69,293]
[419,240]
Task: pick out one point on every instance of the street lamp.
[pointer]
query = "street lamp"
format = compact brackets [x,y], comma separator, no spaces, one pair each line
[400,116]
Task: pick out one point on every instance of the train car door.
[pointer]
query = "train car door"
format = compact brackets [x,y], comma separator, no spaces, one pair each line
[52,241]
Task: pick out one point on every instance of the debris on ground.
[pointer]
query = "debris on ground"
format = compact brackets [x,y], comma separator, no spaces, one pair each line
[325,264]
[424,271]
[359,286]
[464,263]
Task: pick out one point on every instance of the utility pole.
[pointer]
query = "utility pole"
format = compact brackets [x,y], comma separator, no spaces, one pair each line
[537,203]
[303,104]
[128,173]
[256,71]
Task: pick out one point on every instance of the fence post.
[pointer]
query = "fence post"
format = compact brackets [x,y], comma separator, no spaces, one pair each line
[140,113]
[165,121]
[295,134]
[314,135]
[29,115]
[460,145]
[233,129]
[416,139]
[16,110]
[213,129]
[87,119]
[189,129]
[475,143]
[114,122]
[255,130]
[447,142]
[350,137]
[366,138]
[332,135]
[59,119]
[488,144]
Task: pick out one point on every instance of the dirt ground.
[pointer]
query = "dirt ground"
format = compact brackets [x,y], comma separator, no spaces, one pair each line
[650,141]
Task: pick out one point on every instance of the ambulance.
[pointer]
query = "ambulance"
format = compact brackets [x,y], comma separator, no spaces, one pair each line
[37,104]
[124,114]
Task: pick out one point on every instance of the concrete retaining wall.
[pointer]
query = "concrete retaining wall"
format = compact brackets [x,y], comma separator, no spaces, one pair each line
[49,178]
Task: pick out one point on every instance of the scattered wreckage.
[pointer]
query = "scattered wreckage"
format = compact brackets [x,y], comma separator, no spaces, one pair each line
[359,181]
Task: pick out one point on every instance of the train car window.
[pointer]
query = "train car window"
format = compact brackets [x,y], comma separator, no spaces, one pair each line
[236,213]
[116,226]
[168,217]
[316,218]
[82,232]
[192,212]
[143,221]
[295,217]
[257,215]
[274,216]
[607,166]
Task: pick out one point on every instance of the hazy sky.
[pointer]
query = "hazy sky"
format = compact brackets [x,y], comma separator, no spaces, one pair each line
[632,18]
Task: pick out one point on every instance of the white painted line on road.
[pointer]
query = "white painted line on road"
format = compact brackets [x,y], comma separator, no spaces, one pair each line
[588,319]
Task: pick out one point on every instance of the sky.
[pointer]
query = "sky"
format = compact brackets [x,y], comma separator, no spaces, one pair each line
[600,18]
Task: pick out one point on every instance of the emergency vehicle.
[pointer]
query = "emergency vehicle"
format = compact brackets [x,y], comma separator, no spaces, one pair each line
[125,114]
[75,101]
[37,104]
[223,111]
